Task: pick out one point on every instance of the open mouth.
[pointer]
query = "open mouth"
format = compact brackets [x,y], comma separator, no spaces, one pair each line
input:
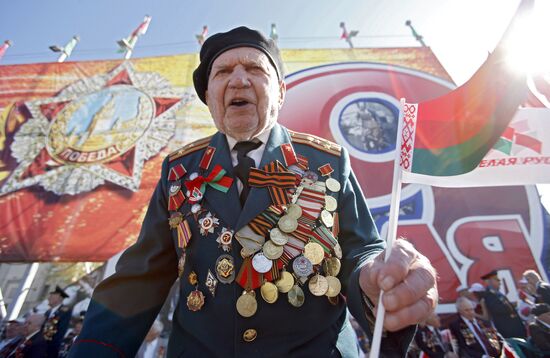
[239,102]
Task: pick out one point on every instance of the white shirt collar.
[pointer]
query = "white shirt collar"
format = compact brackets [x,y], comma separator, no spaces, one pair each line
[262,137]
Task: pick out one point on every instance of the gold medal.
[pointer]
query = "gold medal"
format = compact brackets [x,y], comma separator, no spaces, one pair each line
[337,251]
[333,185]
[318,285]
[296,296]
[272,251]
[287,224]
[334,286]
[330,203]
[332,266]
[278,237]
[314,253]
[294,211]
[269,292]
[192,278]
[247,304]
[327,219]
[285,283]
[225,268]
[195,300]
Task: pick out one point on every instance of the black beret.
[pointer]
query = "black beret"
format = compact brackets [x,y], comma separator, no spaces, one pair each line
[217,44]
[489,275]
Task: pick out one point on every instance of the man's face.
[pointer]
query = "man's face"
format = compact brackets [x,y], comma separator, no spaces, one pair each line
[33,323]
[14,329]
[494,282]
[54,299]
[466,310]
[244,94]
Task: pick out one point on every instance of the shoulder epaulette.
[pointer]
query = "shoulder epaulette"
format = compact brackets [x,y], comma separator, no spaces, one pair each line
[190,148]
[316,142]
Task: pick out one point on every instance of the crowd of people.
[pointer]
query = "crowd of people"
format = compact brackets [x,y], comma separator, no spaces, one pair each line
[486,324]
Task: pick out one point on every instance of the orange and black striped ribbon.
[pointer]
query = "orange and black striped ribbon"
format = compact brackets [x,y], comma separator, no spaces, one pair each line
[276,182]
[264,222]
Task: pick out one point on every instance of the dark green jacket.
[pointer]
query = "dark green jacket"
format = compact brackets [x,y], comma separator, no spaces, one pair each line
[124,305]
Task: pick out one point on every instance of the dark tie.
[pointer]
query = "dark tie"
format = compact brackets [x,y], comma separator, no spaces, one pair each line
[484,341]
[242,169]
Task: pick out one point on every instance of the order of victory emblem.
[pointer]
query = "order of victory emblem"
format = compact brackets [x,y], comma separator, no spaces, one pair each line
[99,129]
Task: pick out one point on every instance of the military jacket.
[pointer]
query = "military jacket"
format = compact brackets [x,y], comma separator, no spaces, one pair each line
[504,315]
[196,230]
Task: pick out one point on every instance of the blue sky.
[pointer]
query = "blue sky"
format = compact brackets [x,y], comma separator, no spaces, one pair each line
[459,32]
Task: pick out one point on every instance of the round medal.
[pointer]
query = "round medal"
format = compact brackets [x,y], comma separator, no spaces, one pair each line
[174,188]
[327,219]
[278,237]
[296,296]
[332,266]
[269,292]
[294,211]
[195,208]
[272,251]
[302,266]
[287,224]
[333,185]
[334,286]
[249,240]
[226,236]
[261,263]
[247,305]
[314,253]
[330,203]
[318,285]
[285,283]
[195,300]
[225,268]
[337,251]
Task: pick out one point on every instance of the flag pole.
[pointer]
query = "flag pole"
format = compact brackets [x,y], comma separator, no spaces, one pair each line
[392,230]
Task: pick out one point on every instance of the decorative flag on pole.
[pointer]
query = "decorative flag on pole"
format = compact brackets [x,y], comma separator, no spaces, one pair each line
[348,35]
[127,44]
[67,50]
[274,35]
[202,36]
[4,48]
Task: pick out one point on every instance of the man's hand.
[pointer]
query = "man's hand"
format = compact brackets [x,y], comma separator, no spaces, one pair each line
[409,284]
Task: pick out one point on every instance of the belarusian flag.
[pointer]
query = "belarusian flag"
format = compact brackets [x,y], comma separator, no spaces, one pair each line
[450,135]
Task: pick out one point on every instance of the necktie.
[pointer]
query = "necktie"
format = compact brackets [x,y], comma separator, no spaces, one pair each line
[242,169]
[484,341]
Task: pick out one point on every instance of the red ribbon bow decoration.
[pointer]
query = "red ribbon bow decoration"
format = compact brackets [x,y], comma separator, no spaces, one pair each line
[216,179]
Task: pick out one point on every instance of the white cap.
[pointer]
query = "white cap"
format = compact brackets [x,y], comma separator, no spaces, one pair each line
[477,287]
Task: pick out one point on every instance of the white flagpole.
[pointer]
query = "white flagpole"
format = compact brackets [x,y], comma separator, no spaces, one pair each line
[24,287]
[392,230]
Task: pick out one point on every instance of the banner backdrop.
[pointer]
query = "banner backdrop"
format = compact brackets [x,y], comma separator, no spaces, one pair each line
[81,145]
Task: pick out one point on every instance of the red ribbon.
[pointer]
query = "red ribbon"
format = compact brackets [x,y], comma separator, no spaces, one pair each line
[216,179]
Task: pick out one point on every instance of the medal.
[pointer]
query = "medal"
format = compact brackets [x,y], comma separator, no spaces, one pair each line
[225,238]
[337,251]
[302,266]
[327,219]
[314,253]
[181,263]
[287,224]
[196,210]
[261,263]
[249,240]
[269,292]
[247,304]
[211,283]
[272,251]
[278,237]
[330,203]
[225,268]
[333,185]
[175,219]
[192,278]
[334,286]
[310,176]
[195,300]
[332,266]
[296,296]
[294,211]
[318,285]
[208,224]
[285,283]
[174,188]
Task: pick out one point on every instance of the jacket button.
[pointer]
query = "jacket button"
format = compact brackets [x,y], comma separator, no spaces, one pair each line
[249,335]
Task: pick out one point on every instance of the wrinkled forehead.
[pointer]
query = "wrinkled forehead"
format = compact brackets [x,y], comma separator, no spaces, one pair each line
[242,56]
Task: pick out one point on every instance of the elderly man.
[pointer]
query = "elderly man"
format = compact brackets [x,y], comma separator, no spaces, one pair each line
[431,340]
[268,231]
[58,317]
[537,286]
[475,338]
[34,345]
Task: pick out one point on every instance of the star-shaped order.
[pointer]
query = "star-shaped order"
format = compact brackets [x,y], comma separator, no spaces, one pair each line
[96,130]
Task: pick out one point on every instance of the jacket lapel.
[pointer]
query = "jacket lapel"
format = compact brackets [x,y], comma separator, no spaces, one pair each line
[258,199]
[226,205]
